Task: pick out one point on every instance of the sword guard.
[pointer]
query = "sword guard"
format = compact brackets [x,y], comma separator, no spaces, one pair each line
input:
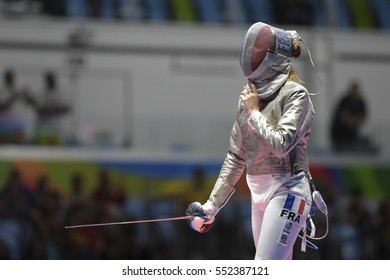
[201,224]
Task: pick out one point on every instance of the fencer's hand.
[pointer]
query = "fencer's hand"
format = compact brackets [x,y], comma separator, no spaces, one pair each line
[250,98]
[199,221]
[195,209]
[207,210]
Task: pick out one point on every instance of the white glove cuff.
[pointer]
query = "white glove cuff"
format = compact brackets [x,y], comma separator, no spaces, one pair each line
[209,210]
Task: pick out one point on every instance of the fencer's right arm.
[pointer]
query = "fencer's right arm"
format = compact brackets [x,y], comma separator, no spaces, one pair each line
[224,186]
[231,171]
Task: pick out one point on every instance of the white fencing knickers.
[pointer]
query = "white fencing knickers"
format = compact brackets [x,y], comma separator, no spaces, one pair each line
[280,206]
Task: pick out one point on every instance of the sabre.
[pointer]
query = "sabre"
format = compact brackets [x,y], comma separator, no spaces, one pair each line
[131,222]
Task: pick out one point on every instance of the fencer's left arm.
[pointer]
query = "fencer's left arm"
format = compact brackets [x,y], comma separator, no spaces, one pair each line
[294,123]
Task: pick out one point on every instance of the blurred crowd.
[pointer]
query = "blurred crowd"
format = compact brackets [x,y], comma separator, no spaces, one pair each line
[341,13]
[33,220]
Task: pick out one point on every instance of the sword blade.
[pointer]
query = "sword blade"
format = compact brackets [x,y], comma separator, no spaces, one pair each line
[131,222]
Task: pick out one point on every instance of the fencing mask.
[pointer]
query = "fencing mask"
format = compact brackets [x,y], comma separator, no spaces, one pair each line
[265,57]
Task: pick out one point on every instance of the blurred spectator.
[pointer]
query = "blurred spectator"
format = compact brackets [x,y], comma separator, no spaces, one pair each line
[50,108]
[209,11]
[348,119]
[259,10]
[197,189]
[95,8]
[49,221]
[12,128]
[84,243]
[362,13]
[53,8]
[16,213]
[103,9]
[109,198]
[16,199]
[353,232]
[119,9]
[183,10]
[78,198]
[382,231]
[299,12]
